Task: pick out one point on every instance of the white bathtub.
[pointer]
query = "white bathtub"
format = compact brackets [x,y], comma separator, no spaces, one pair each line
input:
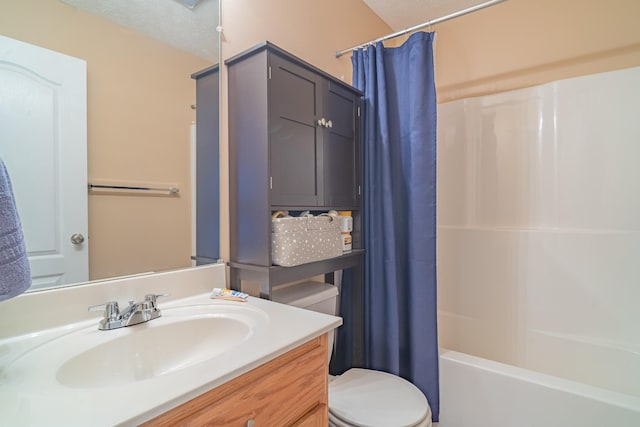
[476,392]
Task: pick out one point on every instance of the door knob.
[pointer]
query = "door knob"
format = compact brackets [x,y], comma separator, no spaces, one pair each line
[77,239]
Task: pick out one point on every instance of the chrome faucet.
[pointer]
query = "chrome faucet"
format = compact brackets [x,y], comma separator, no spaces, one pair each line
[136,312]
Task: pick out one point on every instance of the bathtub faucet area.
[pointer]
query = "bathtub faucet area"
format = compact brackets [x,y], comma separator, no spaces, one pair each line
[135,313]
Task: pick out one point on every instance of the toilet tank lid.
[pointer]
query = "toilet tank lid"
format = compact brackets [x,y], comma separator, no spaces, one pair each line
[304,294]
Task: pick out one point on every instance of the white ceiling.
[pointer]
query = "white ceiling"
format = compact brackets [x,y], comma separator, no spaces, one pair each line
[194,30]
[401,14]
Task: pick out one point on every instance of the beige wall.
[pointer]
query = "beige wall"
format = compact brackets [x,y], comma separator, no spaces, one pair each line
[139,97]
[313,31]
[144,138]
[521,43]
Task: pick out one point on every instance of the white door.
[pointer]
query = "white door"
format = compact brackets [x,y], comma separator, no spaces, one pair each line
[43,142]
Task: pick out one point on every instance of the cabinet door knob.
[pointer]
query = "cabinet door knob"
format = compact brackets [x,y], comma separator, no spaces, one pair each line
[329,124]
[322,122]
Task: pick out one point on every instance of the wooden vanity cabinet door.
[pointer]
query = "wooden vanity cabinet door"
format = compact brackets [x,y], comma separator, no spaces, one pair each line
[317,417]
[289,390]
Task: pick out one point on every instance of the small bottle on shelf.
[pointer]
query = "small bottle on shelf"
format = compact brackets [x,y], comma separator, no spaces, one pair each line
[346,226]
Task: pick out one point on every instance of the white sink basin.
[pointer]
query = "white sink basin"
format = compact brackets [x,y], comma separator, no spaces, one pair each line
[180,338]
[153,350]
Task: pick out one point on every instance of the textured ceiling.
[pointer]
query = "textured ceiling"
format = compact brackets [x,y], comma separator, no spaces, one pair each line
[190,30]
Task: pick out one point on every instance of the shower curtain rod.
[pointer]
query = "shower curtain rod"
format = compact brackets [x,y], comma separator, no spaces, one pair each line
[426,24]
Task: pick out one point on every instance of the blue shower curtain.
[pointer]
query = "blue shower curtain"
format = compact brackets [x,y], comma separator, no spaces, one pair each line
[399,216]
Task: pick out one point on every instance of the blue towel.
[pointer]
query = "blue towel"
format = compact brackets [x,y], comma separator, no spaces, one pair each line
[15,274]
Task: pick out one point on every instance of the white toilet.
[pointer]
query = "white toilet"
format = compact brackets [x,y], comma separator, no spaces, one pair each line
[360,397]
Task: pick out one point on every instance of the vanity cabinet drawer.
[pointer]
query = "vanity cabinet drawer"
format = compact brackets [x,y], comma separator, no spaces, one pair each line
[289,390]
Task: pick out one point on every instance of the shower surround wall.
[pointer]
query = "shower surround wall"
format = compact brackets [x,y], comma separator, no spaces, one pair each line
[539,228]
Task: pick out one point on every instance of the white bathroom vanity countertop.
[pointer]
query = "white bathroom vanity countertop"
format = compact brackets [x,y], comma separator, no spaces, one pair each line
[32,395]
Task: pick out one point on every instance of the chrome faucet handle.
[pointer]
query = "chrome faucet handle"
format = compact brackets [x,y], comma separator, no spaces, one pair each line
[111,316]
[152,299]
[110,309]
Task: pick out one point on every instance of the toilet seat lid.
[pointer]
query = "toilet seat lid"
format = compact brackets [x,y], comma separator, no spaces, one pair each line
[367,398]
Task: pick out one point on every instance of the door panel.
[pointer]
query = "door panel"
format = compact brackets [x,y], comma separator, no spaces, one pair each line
[43,143]
[293,164]
[294,91]
[340,108]
[339,148]
[340,174]
[293,138]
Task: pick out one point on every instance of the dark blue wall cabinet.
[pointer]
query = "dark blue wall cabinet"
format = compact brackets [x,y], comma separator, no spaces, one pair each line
[207,166]
[293,145]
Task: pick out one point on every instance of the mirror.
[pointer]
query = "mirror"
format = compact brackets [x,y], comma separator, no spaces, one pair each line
[140,132]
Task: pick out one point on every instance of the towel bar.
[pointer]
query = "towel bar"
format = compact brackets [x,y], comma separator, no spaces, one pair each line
[172,190]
